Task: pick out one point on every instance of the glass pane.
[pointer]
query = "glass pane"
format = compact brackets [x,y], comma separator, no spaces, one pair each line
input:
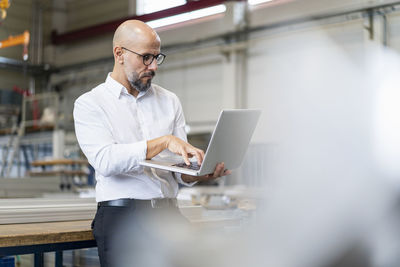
[150,6]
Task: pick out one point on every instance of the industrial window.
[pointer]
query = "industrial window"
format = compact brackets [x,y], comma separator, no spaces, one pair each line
[150,6]
[200,13]
[256,2]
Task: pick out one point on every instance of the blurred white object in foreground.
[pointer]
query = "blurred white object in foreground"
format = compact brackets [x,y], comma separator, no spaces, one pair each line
[331,196]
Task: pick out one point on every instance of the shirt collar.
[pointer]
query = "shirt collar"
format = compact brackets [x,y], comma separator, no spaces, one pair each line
[117,89]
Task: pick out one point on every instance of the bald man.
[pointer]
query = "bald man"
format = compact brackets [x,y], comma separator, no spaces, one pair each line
[128,119]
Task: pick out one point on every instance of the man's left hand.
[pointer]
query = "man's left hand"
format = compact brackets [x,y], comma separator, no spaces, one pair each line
[218,172]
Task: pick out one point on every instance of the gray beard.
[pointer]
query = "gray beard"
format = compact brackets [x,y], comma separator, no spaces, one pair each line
[139,86]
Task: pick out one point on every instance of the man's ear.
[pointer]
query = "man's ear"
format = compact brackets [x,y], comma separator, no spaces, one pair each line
[118,55]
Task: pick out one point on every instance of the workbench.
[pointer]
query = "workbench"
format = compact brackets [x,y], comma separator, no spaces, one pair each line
[38,238]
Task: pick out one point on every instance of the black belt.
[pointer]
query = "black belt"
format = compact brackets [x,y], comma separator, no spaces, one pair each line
[139,203]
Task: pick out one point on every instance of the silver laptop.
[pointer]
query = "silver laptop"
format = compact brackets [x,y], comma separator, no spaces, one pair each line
[228,144]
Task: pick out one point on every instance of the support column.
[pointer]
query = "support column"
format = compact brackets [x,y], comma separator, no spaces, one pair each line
[58,143]
[235,58]
[376,27]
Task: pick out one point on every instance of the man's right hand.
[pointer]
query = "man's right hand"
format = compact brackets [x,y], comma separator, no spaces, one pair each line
[186,150]
[175,145]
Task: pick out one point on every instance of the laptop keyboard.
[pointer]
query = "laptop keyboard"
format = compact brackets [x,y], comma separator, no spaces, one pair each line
[192,166]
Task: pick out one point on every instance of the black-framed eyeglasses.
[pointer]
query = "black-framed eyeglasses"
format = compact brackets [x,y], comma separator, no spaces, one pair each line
[148,58]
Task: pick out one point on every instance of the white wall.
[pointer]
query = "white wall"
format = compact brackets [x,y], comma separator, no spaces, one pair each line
[282,61]
[197,80]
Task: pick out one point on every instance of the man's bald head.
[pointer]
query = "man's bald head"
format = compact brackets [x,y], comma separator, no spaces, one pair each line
[134,33]
[133,42]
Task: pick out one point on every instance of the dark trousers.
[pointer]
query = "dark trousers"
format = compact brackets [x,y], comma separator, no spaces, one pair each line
[114,228]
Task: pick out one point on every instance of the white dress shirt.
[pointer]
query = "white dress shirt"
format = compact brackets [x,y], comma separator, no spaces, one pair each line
[112,128]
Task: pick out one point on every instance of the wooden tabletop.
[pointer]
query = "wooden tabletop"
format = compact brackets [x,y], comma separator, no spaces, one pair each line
[58,162]
[44,233]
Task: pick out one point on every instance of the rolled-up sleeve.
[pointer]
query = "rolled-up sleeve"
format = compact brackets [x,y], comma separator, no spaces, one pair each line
[97,143]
